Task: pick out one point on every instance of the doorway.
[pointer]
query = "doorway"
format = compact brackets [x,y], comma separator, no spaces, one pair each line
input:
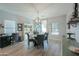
[57,30]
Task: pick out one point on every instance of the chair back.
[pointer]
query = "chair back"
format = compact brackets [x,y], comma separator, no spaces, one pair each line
[40,38]
[28,36]
[46,36]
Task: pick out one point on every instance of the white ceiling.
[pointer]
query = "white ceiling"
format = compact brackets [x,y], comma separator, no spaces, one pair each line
[29,10]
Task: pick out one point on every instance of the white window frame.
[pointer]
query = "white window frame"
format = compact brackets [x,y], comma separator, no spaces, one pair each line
[44,26]
[55,28]
[9,26]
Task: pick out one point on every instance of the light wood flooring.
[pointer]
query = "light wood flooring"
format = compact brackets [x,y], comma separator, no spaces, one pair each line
[19,49]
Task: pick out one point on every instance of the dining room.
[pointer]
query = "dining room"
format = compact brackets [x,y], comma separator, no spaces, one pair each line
[32,29]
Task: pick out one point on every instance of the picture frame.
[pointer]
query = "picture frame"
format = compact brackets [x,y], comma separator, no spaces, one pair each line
[20,27]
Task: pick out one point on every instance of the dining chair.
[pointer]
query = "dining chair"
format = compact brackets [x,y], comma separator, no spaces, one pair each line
[40,41]
[46,37]
[45,41]
[30,40]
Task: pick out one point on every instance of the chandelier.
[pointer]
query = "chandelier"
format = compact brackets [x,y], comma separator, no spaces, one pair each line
[37,19]
[75,19]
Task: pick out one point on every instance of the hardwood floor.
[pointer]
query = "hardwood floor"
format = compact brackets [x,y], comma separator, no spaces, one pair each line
[19,49]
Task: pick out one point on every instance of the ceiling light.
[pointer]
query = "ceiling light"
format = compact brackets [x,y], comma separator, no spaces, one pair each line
[75,19]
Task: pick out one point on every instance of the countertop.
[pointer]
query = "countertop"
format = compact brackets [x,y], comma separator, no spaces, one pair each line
[66,44]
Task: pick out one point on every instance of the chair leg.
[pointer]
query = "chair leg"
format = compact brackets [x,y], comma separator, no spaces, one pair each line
[28,44]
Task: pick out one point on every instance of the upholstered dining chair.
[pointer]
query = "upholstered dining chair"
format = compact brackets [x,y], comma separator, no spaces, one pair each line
[30,40]
[46,37]
[40,41]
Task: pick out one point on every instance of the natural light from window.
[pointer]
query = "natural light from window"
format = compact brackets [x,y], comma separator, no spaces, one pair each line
[55,29]
[44,23]
[9,26]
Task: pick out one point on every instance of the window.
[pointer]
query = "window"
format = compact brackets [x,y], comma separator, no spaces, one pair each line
[44,23]
[41,27]
[9,26]
[55,29]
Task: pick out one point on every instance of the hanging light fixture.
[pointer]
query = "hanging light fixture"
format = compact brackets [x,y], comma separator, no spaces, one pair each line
[38,18]
[75,19]
[1,26]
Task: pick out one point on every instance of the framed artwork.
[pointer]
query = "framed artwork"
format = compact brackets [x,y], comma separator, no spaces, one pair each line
[20,27]
[28,27]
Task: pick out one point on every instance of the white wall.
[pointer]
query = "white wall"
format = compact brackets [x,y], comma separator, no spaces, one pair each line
[62,26]
[4,15]
[72,29]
